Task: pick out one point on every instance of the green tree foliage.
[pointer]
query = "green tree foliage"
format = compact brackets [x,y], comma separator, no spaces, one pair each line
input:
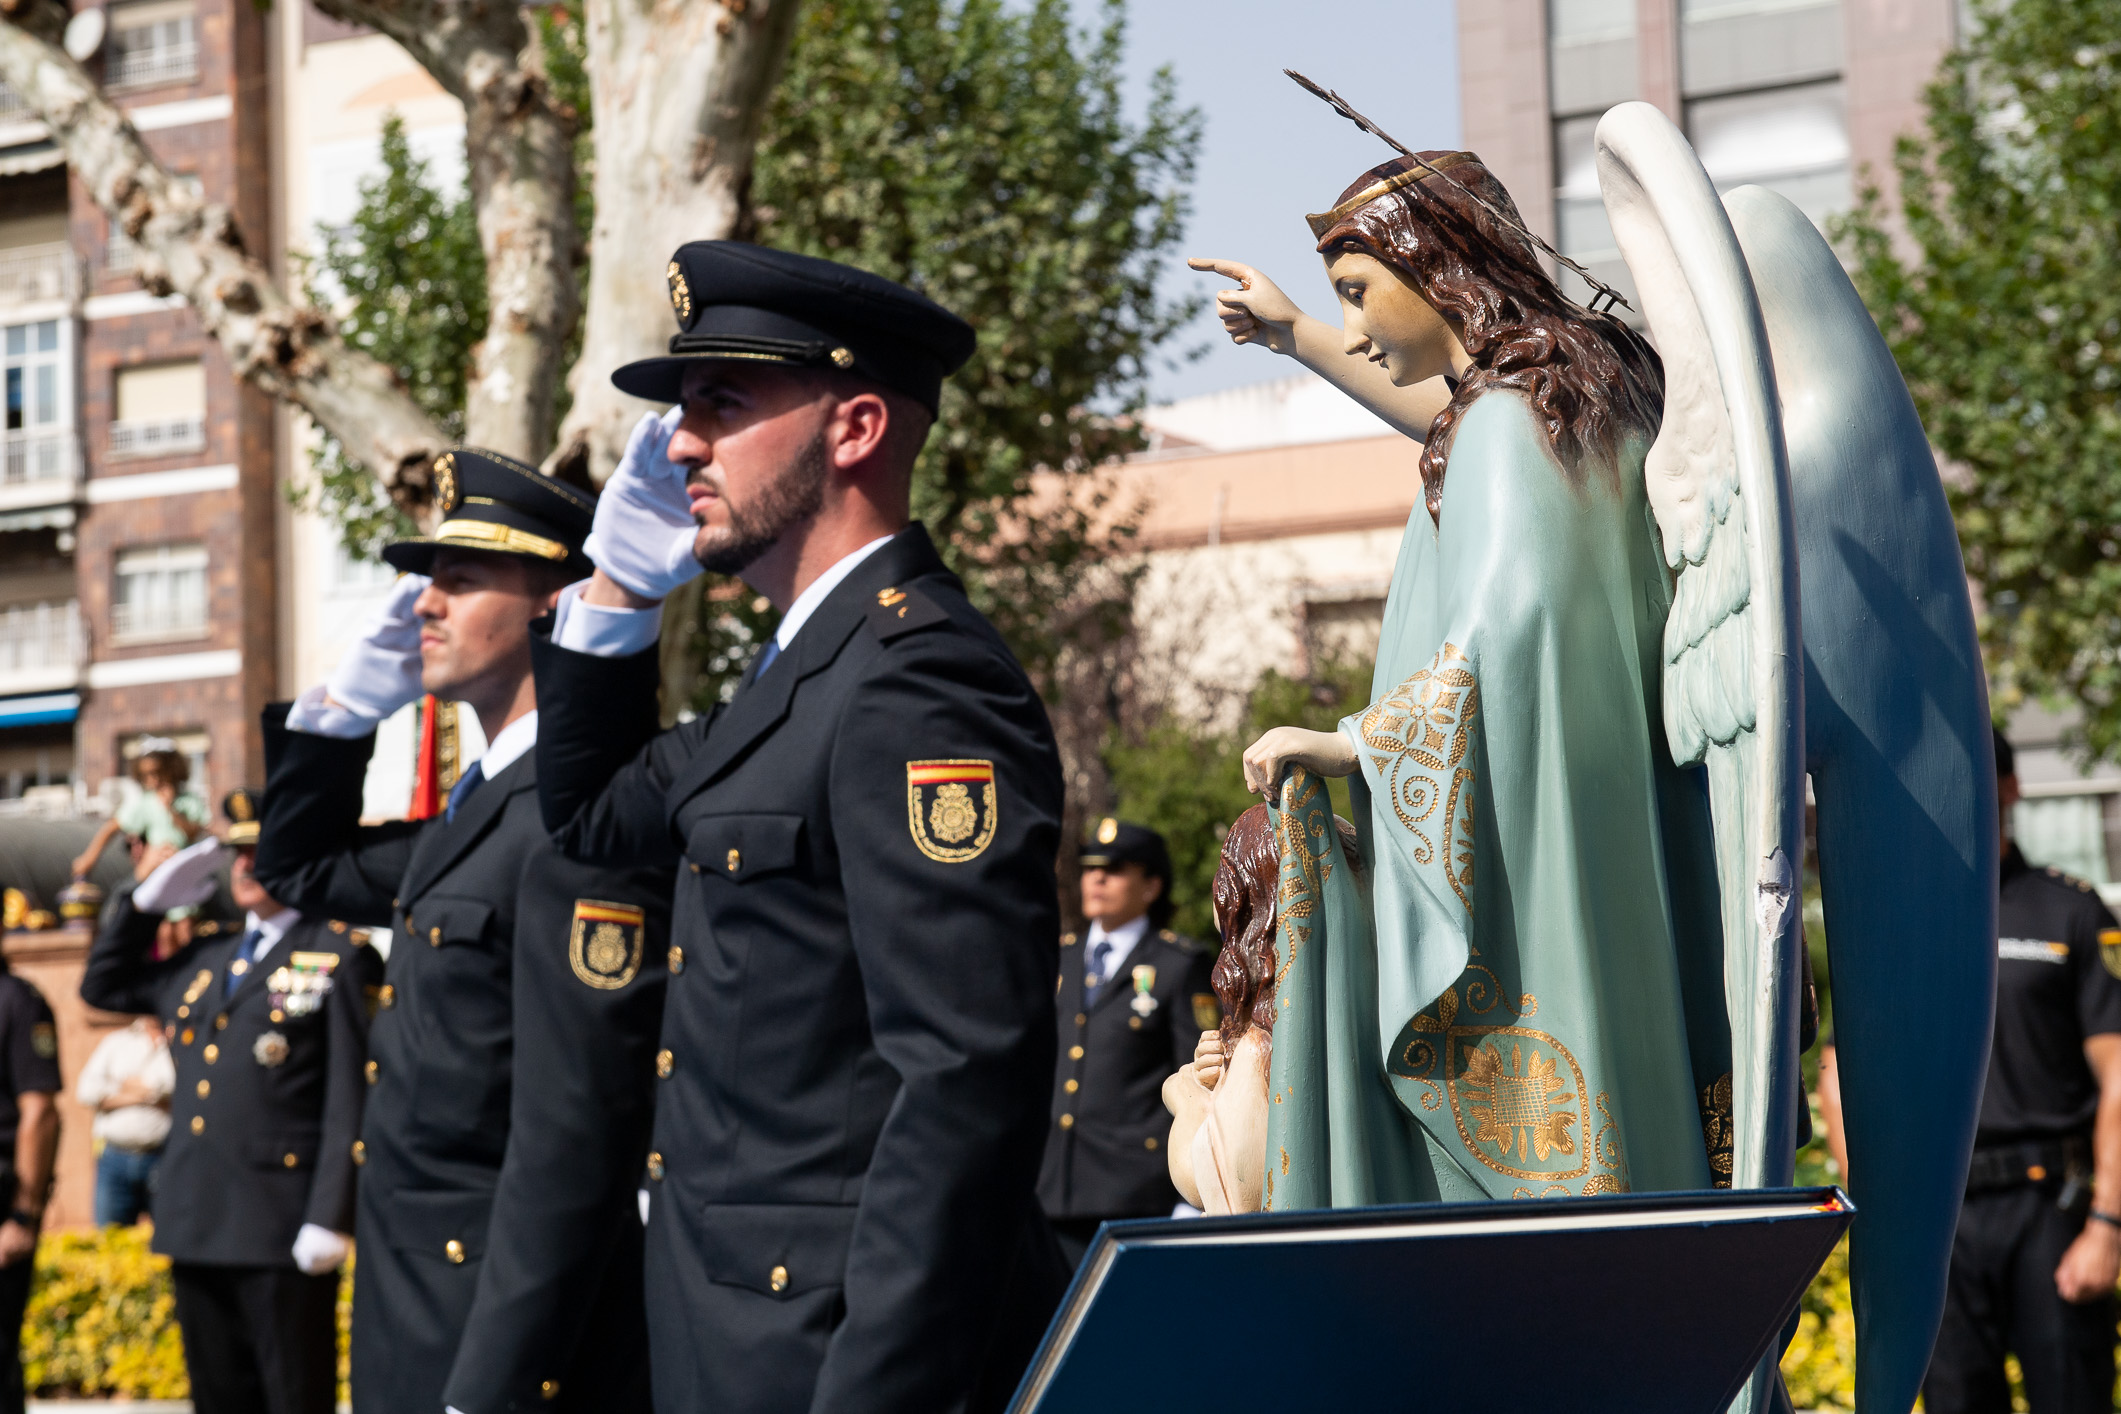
[1190,785]
[978,151]
[2007,325]
[406,282]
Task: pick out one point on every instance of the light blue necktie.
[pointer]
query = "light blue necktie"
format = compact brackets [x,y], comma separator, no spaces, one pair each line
[1094,975]
[246,954]
[461,791]
[771,651]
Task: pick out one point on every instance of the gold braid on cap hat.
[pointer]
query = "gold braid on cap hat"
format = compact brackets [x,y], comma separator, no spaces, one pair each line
[1322,222]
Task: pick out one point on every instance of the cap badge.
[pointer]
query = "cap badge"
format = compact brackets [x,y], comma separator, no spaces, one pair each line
[951,808]
[446,483]
[605,946]
[843,357]
[239,809]
[1144,1005]
[680,293]
[1107,830]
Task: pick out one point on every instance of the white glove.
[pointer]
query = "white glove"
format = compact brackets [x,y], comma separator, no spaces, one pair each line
[319,1250]
[643,533]
[185,878]
[380,671]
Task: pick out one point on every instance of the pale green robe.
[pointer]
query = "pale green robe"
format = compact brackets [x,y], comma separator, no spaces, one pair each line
[1501,1007]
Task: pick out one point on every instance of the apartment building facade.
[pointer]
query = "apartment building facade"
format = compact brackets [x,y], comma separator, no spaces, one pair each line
[137,500]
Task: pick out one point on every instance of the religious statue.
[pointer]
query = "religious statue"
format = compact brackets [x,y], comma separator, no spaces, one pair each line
[1572,965]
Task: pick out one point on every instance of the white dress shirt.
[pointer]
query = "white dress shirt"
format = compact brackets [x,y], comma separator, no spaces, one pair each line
[606,632]
[1123,938]
[509,743]
[270,930]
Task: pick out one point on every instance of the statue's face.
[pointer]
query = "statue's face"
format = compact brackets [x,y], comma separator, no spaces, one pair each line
[1388,322]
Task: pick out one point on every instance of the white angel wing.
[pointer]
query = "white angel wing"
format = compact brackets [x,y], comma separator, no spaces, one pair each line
[1718,481]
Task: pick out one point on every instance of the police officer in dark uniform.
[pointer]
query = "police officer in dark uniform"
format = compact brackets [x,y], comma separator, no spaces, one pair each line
[2039,1240]
[254,1198]
[859,1041]
[1133,999]
[29,1139]
[512,1072]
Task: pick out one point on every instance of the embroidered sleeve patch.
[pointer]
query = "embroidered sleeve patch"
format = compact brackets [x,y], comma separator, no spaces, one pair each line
[2110,949]
[605,945]
[951,808]
[44,1040]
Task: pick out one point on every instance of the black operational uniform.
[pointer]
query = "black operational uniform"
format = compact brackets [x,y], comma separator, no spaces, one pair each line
[513,1051]
[1119,1041]
[29,1061]
[269,1037]
[2058,981]
[858,1043]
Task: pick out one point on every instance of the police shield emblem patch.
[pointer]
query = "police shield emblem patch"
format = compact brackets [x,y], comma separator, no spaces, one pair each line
[605,946]
[2110,949]
[951,808]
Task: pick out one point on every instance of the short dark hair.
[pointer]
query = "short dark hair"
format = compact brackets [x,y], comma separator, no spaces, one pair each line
[2006,758]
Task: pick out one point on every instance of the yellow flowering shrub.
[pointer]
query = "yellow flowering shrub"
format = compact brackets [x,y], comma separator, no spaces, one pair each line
[1820,1364]
[102,1319]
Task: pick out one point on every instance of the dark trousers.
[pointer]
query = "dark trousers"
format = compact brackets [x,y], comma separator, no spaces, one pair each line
[1074,1236]
[2000,1297]
[14,1298]
[258,1340]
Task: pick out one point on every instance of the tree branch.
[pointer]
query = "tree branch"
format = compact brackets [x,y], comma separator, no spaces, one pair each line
[519,151]
[680,91]
[192,247]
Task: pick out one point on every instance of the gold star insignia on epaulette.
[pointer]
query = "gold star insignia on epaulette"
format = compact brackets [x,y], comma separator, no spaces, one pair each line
[886,598]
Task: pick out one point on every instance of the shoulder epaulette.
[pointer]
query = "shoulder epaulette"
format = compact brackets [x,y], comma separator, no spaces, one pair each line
[895,612]
[1180,941]
[206,929]
[2070,879]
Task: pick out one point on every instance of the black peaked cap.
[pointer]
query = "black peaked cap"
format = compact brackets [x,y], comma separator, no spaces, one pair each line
[747,303]
[1118,842]
[486,501]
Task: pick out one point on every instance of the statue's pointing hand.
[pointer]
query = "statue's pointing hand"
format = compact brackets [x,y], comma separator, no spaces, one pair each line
[643,533]
[1257,312]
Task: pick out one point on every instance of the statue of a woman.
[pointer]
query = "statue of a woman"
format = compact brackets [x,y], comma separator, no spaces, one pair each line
[1546,981]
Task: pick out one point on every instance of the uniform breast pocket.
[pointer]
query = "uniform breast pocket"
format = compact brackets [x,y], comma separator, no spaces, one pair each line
[742,848]
[458,985]
[778,1249]
[441,921]
[287,1153]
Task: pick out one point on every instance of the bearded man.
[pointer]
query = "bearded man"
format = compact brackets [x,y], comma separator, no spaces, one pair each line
[859,1033]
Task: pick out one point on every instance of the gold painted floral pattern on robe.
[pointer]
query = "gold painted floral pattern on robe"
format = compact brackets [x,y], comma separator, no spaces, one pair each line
[1419,736]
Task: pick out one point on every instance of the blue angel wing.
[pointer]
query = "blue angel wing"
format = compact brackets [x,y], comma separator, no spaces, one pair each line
[1896,737]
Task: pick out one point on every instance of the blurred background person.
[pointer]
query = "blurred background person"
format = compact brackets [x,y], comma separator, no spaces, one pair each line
[254,1198]
[29,1140]
[163,811]
[127,1083]
[1134,998]
[2038,1248]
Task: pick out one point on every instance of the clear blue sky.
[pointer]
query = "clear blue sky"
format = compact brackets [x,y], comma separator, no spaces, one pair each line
[1272,152]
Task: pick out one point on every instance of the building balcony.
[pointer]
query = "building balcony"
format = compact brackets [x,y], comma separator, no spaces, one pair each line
[156,621]
[158,436]
[39,469]
[148,65]
[35,274]
[12,108]
[40,647]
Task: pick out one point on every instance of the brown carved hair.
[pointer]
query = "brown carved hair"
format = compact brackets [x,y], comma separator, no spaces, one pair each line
[1246,884]
[1592,381]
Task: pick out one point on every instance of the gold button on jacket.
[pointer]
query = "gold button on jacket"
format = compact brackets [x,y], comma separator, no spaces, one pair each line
[454,1250]
[777,1278]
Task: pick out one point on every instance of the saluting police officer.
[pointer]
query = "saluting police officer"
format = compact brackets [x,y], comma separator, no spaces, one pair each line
[1132,1001]
[513,1054]
[254,1197]
[2038,1245]
[859,1041]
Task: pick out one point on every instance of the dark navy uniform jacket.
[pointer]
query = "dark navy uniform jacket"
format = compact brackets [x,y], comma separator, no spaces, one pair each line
[269,1080]
[858,1045]
[1105,1151]
[507,1123]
